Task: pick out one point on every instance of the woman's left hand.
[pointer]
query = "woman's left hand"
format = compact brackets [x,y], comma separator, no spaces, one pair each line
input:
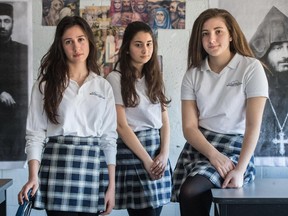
[109,200]
[233,179]
[159,165]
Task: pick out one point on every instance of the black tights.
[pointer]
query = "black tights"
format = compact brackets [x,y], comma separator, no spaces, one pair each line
[61,213]
[145,212]
[195,196]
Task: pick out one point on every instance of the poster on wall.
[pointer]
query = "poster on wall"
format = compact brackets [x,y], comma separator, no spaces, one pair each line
[108,22]
[15,62]
[265,24]
[54,10]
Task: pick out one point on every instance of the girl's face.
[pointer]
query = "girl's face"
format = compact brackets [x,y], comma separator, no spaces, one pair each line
[215,37]
[75,44]
[141,49]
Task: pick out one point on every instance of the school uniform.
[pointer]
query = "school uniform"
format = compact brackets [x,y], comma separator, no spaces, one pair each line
[134,188]
[73,174]
[221,101]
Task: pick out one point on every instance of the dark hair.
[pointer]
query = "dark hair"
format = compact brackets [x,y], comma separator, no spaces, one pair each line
[239,44]
[151,69]
[54,71]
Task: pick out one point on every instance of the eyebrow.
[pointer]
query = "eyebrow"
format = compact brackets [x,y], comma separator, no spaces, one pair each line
[76,37]
[218,27]
[142,41]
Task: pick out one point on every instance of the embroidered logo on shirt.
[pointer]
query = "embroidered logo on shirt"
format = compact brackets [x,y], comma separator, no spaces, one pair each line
[96,94]
[234,83]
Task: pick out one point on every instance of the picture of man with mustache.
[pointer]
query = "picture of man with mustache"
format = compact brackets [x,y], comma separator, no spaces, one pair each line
[270,45]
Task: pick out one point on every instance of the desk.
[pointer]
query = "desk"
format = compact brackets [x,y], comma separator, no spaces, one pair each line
[4,184]
[263,197]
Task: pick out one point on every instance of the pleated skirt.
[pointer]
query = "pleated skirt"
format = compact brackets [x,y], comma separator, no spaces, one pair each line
[191,162]
[73,175]
[134,188]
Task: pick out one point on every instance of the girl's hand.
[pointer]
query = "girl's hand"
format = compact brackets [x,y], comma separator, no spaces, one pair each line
[234,179]
[109,201]
[148,167]
[33,183]
[222,164]
[159,165]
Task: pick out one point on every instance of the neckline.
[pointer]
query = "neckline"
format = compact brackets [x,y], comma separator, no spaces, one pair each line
[221,68]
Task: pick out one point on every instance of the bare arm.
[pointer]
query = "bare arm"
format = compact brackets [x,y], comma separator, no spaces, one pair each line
[131,140]
[195,138]
[32,181]
[110,193]
[160,161]
[254,112]
[165,133]
[191,129]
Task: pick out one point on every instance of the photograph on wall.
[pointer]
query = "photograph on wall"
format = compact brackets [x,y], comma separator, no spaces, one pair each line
[106,35]
[54,10]
[15,61]
[265,25]
[109,22]
[158,14]
[166,14]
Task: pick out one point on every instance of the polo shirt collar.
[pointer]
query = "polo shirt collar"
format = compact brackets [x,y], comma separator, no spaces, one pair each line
[232,64]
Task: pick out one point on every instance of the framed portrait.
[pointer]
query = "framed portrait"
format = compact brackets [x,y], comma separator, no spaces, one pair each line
[15,79]
[265,25]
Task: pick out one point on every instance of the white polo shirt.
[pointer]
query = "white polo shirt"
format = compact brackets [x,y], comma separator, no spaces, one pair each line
[86,111]
[221,98]
[144,116]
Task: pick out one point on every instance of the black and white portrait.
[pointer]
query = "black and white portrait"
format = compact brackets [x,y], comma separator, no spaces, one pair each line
[265,24]
[14,63]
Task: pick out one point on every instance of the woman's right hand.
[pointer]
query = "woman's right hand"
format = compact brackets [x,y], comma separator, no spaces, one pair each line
[33,183]
[222,163]
[148,166]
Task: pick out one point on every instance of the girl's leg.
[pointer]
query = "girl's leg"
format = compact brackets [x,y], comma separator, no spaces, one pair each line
[145,212]
[195,196]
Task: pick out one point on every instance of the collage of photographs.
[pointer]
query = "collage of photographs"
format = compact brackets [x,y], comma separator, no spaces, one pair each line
[109,22]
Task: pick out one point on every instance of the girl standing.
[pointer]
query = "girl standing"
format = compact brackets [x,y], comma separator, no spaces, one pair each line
[72,117]
[143,173]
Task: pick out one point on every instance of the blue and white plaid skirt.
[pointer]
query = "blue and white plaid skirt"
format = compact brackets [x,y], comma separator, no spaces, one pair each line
[73,175]
[134,188]
[191,162]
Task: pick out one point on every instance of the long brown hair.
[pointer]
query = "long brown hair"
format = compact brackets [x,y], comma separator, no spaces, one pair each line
[151,70]
[196,52]
[54,71]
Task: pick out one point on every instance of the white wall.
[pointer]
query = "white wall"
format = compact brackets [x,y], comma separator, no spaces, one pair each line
[172,46]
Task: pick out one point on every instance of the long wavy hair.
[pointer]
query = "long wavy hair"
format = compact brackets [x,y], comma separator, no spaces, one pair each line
[54,70]
[151,70]
[196,52]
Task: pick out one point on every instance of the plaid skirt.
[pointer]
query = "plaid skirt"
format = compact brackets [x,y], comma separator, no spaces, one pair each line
[134,188]
[191,162]
[73,175]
